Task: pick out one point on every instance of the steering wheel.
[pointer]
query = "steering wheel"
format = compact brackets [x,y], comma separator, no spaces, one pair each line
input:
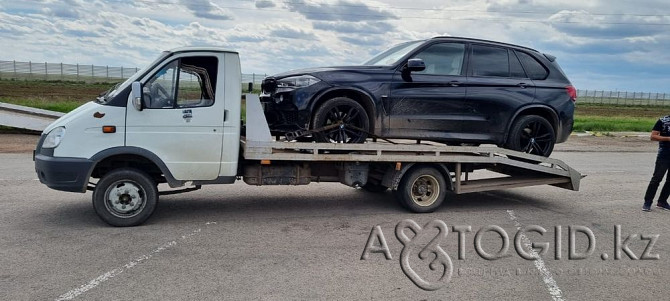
[161,96]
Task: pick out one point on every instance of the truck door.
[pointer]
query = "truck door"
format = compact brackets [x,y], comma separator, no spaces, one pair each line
[182,122]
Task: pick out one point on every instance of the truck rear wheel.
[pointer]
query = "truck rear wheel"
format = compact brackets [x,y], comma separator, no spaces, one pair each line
[422,190]
[125,197]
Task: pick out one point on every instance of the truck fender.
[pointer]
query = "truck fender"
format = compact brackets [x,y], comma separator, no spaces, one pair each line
[392,177]
[132,150]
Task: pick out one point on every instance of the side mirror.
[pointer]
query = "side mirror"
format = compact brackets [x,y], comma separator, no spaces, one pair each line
[416,65]
[136,95]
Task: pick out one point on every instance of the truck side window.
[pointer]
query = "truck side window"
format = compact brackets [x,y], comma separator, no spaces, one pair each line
[185,83]
[197,82]
[159,91]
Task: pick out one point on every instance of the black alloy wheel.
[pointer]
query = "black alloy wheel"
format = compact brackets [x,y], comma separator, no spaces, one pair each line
[532,135]
[343,120]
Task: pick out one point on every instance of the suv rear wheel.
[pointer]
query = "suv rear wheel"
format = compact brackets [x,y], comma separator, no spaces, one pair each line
[532,134]
[354,123]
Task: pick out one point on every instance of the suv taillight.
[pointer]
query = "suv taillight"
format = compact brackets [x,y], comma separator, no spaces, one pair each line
[572,92]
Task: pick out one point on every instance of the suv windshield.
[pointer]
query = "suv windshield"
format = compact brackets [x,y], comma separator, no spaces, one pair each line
[392,55]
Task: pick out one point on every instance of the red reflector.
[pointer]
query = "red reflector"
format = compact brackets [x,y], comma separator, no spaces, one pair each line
[572,92]
[108,129]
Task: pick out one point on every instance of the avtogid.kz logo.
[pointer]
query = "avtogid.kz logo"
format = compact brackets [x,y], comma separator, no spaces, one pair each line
[428,265]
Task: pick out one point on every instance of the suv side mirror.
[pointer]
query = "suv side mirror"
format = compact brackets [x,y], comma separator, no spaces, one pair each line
[416,65]
[136,94]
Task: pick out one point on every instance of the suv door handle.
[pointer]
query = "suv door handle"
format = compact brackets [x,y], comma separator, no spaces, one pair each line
[522,85]
[454,83]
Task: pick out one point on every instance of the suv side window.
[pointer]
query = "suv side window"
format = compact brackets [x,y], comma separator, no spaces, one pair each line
[515,69]
[442,59]
[184,83]
[534,69]
[490,61]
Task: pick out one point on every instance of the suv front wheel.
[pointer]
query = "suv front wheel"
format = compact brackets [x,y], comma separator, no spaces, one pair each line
[341,120]
[532,134]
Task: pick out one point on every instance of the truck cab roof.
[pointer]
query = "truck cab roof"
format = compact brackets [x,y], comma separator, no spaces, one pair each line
[200,49]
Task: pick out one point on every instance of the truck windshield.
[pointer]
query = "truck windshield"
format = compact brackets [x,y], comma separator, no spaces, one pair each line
[109,94]
[392,55]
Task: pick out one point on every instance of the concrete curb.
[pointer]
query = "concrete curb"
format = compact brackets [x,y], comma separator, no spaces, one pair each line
[611,134]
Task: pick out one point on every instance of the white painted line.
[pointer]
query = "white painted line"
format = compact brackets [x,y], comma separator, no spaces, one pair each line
[547,277]
[111,274]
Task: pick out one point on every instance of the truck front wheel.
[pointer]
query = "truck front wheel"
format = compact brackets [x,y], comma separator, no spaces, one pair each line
[125,197]
[422,190]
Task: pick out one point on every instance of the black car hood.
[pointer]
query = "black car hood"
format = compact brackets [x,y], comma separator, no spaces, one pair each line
[316,71]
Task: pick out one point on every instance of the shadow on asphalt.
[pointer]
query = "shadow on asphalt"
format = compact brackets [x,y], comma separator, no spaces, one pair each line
[213,207]
[356,203]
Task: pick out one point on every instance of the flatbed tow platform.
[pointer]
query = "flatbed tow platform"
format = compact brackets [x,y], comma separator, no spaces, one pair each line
[385,164]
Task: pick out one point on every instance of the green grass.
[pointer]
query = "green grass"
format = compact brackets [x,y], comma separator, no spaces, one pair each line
[613,124]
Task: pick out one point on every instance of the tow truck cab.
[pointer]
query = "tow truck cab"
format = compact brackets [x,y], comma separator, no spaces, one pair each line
[171,120]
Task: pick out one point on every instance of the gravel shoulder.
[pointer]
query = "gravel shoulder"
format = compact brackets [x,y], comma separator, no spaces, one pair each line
[25,143]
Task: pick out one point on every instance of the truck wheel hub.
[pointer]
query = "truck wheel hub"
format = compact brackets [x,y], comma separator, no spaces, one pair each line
[125,199]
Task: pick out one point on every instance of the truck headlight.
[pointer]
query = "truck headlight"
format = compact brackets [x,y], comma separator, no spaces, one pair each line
[54,137]
[299,81]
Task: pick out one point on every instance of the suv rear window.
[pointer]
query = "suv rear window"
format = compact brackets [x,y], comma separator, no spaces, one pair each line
[534,69]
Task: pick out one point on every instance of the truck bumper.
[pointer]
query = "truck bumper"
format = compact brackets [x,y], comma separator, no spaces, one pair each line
[64,174]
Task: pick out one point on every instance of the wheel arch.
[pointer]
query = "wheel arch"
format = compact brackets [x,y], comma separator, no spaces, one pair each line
[397,175]
[543,111]
[135,157]
[362,97]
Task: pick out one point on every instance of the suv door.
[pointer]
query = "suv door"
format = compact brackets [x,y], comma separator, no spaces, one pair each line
[497,87]
[430,103]
[182,122]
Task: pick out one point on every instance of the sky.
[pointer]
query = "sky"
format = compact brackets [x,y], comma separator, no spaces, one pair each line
[601,45]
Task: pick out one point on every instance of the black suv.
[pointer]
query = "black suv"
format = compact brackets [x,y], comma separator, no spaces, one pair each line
[446,89]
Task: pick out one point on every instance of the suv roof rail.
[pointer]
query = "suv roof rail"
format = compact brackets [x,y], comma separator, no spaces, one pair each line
[486,41]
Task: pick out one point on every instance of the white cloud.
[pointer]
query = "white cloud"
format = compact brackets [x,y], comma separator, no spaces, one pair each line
[206,9]
[264,3]
[598,43]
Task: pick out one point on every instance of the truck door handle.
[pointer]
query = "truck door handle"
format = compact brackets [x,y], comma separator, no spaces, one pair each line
[454,83]
[522,85]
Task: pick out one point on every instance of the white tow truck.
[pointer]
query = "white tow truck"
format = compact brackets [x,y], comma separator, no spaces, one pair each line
[178,121]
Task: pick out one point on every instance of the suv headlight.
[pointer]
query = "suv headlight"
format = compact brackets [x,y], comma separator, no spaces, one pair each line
[299,81]
[54,137]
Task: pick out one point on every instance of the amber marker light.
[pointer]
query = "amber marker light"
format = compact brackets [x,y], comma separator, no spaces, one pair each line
[108,129]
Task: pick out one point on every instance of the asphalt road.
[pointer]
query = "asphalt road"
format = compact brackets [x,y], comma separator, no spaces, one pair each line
[240,242]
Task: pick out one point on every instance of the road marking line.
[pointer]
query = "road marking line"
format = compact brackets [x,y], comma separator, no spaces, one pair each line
[547,277]
[115,272]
